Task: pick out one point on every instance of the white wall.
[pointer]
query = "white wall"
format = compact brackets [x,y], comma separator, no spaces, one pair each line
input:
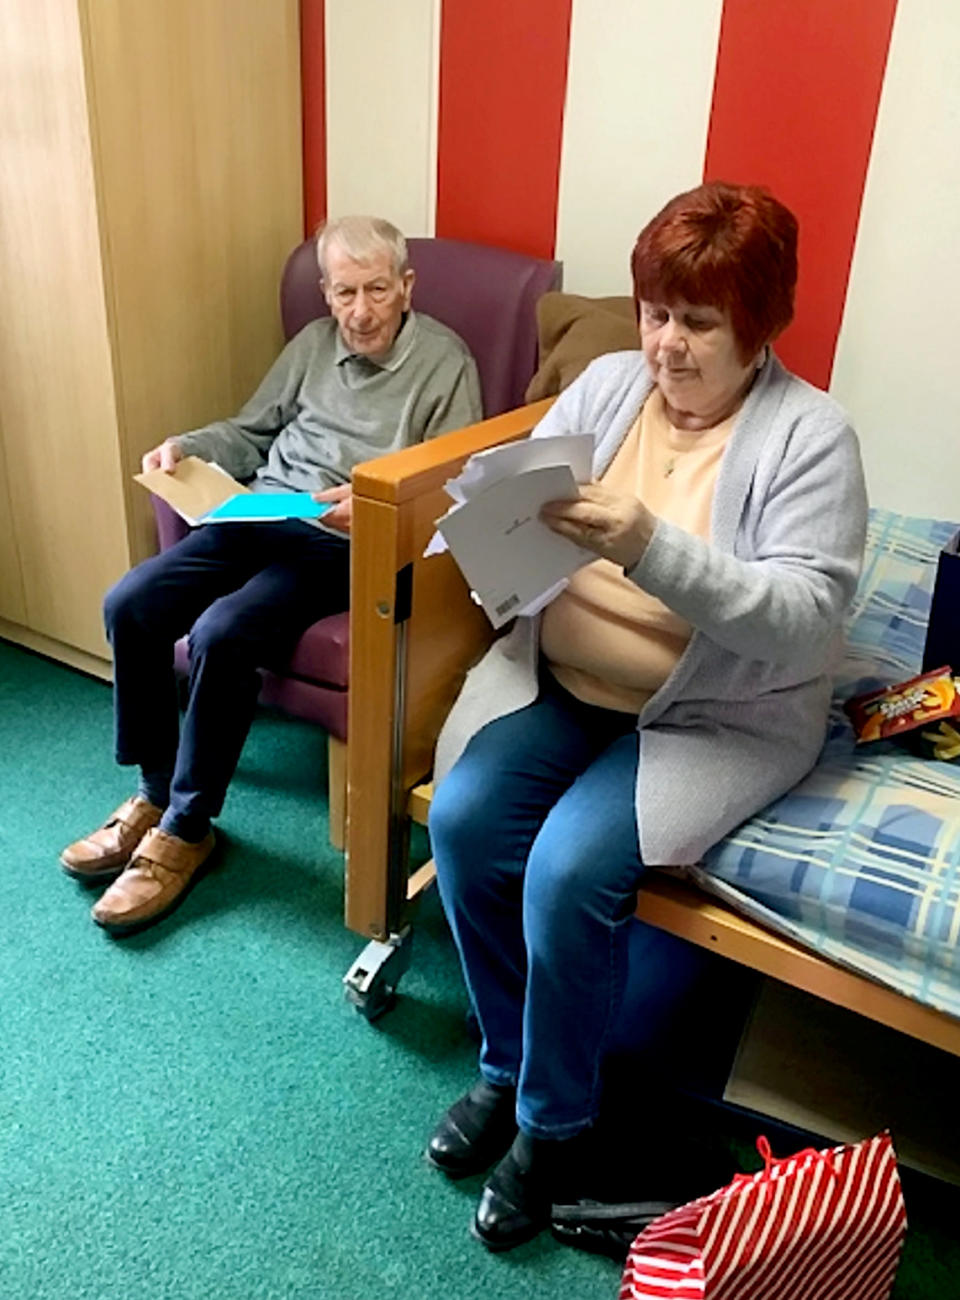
[381,98]
[639,87]
[639,90]
[898,357]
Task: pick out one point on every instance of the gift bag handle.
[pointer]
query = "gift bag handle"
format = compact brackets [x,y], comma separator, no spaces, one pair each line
[765,1176]
[769,1159]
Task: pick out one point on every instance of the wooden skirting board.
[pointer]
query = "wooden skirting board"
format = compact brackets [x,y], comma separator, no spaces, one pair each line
[66,654]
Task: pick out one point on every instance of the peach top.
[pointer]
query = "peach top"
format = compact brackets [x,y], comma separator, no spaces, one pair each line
[605,639]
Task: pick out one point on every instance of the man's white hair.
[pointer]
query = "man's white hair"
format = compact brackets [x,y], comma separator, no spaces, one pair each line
[362,238]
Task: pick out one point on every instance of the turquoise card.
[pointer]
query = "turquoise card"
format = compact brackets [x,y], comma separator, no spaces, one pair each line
[257,507]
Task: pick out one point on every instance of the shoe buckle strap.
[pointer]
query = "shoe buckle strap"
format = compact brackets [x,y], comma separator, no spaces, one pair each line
[159,850]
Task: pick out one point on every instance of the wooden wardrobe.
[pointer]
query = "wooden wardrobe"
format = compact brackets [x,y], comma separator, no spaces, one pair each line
[150,190]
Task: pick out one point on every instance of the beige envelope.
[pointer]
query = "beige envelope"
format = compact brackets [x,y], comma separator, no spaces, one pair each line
[194,487]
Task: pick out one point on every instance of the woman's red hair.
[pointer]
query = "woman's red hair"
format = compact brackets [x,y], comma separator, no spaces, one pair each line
[730,246]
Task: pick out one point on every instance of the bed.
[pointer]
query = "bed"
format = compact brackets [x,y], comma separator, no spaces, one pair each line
[848,888]
[860,863]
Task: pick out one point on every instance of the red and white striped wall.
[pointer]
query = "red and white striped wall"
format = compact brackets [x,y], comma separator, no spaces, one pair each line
[559,127]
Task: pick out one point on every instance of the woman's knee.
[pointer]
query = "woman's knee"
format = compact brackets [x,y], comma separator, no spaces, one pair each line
[480,848]
[574,875]
[558,879]
[459,816]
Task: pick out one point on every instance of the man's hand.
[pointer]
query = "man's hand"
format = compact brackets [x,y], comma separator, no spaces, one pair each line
[342,513]
[164,457]
[616,527]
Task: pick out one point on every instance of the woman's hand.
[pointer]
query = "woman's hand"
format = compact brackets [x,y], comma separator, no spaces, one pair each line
[342,513]
[616,527]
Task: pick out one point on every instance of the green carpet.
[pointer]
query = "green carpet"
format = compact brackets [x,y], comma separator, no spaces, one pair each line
[196,1111]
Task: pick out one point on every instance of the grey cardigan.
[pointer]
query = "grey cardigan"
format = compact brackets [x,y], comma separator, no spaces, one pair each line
[743,715]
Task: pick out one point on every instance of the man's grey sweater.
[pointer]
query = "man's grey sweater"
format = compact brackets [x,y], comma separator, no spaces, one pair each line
[321,409]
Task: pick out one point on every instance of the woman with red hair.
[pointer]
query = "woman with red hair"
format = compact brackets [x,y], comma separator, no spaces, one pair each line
[677,685]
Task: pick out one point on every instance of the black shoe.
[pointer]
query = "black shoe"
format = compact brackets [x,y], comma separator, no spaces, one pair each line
[517,1197]
[475,1131]
[605,1229]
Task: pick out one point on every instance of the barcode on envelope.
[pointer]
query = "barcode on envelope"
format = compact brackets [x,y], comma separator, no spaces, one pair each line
[507,605]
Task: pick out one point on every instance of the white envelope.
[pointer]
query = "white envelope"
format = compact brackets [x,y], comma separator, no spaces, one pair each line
[508,556]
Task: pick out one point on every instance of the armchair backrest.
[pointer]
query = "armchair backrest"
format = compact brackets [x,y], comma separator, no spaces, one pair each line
[488,295]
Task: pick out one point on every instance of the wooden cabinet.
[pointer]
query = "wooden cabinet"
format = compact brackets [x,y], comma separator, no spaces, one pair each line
[150,190]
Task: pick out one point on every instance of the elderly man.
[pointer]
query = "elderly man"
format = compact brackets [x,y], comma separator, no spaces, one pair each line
[374,378]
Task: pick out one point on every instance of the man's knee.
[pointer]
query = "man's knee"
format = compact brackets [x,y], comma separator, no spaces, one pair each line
[215,631]
[128,600]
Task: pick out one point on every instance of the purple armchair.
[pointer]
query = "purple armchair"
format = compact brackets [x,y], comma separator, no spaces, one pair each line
[489,296]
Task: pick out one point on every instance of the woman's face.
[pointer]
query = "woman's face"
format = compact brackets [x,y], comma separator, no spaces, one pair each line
[694,359]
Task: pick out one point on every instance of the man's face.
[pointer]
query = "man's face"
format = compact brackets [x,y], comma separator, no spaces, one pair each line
[367,299]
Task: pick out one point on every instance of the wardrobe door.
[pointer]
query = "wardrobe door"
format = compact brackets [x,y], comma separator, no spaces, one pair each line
[195,112]
[150,191]
[12,604]
[57,405]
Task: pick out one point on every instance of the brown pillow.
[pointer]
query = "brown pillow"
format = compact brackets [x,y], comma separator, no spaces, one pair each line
[572,332]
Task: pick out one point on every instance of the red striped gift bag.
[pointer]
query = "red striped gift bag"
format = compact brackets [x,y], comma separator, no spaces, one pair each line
[820,1225]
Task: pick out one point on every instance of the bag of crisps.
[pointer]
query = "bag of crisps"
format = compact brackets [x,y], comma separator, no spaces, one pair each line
[919,712]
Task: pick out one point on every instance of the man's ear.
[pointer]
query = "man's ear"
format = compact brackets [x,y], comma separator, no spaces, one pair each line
[409,276]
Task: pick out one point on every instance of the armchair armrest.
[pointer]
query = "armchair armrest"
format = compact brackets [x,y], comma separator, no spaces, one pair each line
[414,631]
[416,471]
[170,526]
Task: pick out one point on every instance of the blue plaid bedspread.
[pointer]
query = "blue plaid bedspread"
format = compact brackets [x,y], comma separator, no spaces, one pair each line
[861,861]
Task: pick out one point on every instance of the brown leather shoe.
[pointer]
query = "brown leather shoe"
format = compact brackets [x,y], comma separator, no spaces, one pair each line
[103,854]
[161,873]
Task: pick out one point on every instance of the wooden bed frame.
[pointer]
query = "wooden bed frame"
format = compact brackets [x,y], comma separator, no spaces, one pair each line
[414,631]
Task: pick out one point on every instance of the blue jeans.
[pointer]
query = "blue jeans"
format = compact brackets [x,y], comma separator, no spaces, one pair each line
[245,593]
[534,834]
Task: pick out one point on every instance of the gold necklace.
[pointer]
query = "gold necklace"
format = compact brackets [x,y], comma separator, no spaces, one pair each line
[671,465]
